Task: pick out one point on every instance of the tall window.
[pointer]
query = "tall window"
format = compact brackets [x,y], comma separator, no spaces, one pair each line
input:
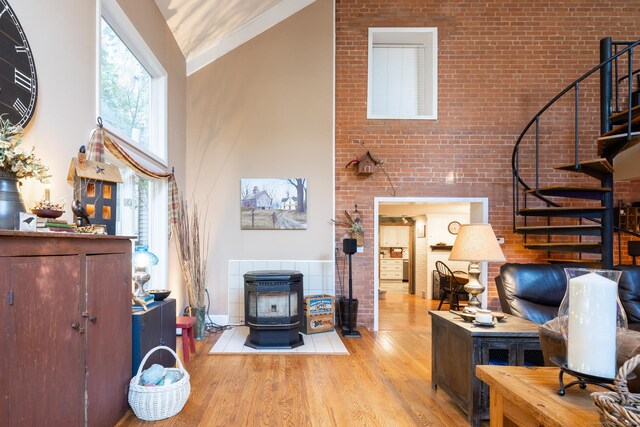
[125,98]
[402,73]
[132,104]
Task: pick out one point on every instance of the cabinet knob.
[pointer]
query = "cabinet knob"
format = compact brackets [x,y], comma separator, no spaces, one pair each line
[93,319]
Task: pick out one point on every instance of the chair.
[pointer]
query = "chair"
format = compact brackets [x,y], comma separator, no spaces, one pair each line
[186,324]
[451,288]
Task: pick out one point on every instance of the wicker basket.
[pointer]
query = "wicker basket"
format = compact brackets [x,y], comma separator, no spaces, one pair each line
[158,403]
[619,408]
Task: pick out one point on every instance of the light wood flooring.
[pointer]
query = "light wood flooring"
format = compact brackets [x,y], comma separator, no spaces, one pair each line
[385,381]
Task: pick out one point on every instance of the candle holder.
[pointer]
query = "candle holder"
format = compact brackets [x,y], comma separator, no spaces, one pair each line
[592,322]
[582,379]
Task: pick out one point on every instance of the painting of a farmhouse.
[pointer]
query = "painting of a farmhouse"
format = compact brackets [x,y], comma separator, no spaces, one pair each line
[273,204]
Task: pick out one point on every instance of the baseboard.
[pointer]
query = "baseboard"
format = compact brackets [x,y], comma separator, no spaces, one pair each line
[218,319]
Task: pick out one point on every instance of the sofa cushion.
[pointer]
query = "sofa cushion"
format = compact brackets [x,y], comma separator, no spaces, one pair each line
[531,291]
[629,291]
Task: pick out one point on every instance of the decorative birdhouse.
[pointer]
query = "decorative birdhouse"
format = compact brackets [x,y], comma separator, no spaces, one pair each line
[365,164]
[95,185]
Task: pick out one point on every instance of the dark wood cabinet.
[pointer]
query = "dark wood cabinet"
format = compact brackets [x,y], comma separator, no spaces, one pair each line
[152,328]
[65,311]
[458,347]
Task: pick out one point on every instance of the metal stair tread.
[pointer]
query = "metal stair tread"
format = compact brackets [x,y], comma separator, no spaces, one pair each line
[578,230]
[571,191]
[615,144]
[563,209]
[613,117]
[566,246]
[599,166]
[571,188]
[616,129]
[571,261]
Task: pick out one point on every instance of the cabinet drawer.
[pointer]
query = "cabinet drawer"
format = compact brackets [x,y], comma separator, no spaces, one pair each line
[391,275]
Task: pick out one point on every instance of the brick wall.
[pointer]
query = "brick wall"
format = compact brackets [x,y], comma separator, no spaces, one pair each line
[498,64]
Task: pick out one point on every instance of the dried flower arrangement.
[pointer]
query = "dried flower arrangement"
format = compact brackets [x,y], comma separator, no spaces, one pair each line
[192,254]
[354,225]
[16,163]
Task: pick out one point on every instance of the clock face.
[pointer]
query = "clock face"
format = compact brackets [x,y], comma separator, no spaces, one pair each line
[454,227]
[18,86]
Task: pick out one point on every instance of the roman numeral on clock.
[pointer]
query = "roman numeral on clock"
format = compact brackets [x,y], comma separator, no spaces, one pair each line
[19,106]
[4,10]
[21,49]
[22,80]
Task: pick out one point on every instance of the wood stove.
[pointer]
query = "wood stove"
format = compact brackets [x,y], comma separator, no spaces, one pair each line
[273,308]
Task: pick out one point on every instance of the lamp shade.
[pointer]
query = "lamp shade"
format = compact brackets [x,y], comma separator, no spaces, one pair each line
[142,258]
[476,242]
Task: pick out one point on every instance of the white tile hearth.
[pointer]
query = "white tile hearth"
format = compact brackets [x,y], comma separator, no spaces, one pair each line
[325,343]
[318,278]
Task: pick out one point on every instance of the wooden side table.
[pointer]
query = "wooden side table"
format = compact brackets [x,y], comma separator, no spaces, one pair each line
[458,347]
[528,396]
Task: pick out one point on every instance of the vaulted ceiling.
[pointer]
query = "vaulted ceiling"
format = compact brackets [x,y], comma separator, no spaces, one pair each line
[207,29]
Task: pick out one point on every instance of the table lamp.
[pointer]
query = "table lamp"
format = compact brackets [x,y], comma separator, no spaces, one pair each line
[476,243]
[140,260]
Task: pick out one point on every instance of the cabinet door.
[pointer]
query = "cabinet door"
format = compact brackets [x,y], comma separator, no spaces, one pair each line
[403,237]
[168,333]
[44,354]
[108,279]
[385,236]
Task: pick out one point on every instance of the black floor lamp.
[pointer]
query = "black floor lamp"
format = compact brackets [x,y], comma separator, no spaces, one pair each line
[350,247]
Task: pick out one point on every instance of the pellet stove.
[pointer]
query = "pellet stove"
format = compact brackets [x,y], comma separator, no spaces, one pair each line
[273,308]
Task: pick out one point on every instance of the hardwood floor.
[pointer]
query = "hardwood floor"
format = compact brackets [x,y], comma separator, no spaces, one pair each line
[385,381]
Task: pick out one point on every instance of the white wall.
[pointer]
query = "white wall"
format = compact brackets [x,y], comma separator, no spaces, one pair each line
[264,110]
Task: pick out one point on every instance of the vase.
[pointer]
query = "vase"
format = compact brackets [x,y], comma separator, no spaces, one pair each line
[199,328]
[359,236]
[10,203]
[592,321]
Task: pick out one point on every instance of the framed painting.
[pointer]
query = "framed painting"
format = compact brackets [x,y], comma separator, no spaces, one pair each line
[273,204]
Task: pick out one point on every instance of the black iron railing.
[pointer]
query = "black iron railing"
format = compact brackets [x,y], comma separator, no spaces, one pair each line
[609,60]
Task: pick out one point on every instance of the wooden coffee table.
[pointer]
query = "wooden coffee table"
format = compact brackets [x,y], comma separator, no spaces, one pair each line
[528,396]
[458,346]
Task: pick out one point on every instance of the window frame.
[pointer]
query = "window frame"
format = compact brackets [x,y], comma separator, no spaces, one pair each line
[156,156]
[414,36]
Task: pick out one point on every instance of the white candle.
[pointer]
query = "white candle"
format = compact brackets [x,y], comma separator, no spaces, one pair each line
[591,342]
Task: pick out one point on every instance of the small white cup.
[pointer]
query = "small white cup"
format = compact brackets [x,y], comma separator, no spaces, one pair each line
[484,316]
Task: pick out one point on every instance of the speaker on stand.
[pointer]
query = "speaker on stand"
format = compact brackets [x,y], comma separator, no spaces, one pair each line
[350,247]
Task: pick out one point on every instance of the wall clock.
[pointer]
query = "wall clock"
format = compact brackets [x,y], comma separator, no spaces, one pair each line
[18,83]
[453,227]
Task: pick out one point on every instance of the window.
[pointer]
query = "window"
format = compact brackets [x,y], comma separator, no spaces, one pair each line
[402,73]
[132,102]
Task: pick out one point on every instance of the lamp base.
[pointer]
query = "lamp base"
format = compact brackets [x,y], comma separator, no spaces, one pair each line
[140,278]
[473,286]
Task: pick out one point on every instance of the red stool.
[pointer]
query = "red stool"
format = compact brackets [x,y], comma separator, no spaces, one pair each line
[186,323]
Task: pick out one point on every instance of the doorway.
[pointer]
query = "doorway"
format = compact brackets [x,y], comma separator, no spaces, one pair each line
[430,222]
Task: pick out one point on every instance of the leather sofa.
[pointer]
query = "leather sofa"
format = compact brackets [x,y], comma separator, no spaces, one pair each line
[535,291]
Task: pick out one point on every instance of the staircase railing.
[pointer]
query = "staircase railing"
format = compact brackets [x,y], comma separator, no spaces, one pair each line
[606,110]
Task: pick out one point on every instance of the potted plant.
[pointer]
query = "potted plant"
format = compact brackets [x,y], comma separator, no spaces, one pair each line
[192,253]
[15,164]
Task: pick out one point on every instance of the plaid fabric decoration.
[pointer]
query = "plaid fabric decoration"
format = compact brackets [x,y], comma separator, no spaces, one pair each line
[96,145]
[119,153]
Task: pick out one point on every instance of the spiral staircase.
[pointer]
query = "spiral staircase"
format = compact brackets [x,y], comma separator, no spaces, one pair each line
[566,209]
